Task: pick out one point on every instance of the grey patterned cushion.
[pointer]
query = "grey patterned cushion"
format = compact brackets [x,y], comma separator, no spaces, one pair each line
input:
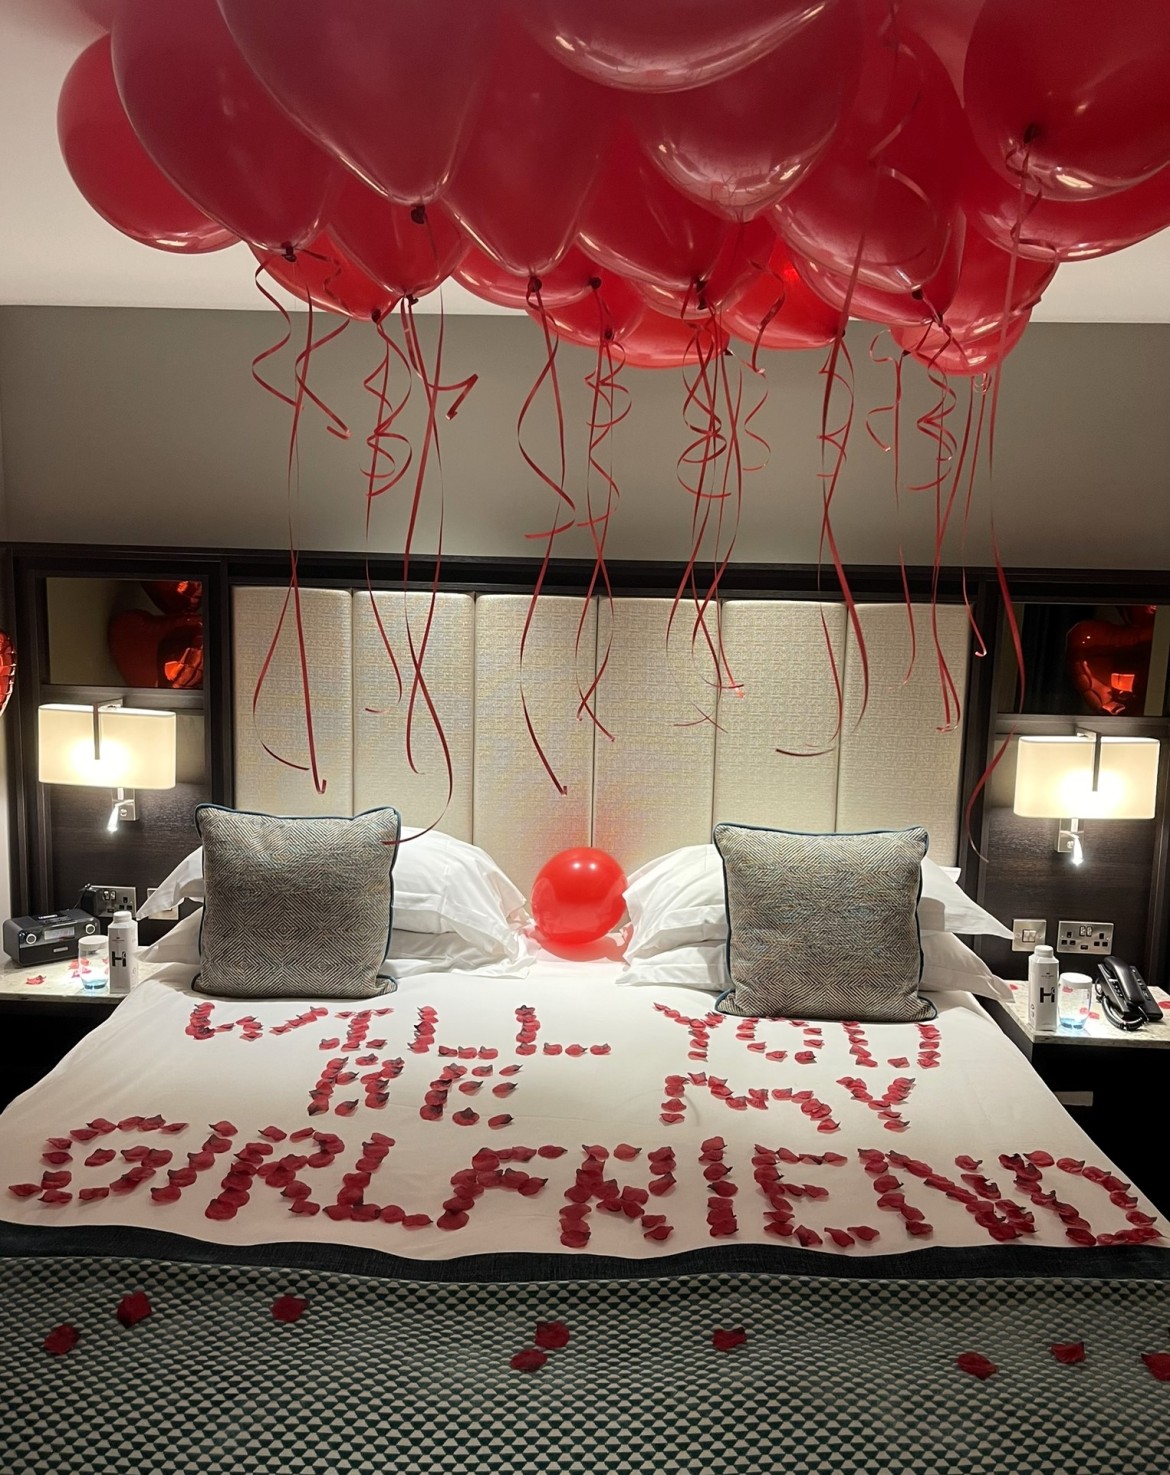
[823,926]
[295,908]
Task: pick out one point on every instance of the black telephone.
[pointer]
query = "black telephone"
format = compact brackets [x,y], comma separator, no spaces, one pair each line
[1127,1001]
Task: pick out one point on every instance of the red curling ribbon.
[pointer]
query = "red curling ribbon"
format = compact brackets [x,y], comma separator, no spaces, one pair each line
[432,385]
[604,415]
[712,444]
[386,468]
[565,510]
[894,449]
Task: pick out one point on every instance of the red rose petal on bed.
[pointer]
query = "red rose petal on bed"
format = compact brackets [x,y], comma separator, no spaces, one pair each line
[339,1212]
[61,1339]
[88,1195]
[303,1206]
[274,1134]
[553,1049]
[55,1196]
[976,1364]
[529,1360]
[1068,1352]
[1158,1364]
[841,1238]
[428,1114]
[496,1122]
[662,1184]
[451,1219]
[25,1190]
[659,1232]
[725,1338]
[300,1134]
[1070,1165]
[168,1195]
[919,1228]
[864,1233]
[510,1070]
[1080,1236]
[416,1221]
[56,1158]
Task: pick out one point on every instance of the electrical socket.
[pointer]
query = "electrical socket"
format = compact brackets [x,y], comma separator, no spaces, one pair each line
[170,915]
[1027,933]
[1084,937]
[106,900]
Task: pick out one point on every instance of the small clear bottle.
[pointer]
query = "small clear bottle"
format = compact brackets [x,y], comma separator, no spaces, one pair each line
[1076,1000]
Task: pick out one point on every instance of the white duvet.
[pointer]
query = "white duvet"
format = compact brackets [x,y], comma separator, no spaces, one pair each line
[557,1112]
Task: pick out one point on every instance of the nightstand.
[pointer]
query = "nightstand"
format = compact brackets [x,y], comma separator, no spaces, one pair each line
[45,1012]
[1113,1082]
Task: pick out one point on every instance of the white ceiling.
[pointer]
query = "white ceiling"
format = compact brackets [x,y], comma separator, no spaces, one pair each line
[55,250]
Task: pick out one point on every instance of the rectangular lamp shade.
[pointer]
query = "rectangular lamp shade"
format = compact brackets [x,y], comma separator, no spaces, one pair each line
[137,747]
[1054,778]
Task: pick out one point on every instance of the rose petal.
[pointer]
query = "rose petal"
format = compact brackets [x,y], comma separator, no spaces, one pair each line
[725,1338]
[529,1360]
[1068,1352]
[1158,1364]
[551,1335]
[61,1339]
[133,1308]
[976,1364]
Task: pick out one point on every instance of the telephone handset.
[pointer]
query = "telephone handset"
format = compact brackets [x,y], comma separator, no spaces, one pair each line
[1127,1001]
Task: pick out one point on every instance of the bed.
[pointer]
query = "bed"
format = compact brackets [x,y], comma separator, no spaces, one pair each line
[539,1216]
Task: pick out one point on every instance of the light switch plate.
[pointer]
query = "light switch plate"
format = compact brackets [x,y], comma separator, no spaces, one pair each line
[1084,937]
[1027,932]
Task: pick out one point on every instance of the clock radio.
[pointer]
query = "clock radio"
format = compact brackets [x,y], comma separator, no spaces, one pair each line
[32,940]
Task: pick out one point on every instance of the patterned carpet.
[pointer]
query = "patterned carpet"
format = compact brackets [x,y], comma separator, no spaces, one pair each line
[389,1376]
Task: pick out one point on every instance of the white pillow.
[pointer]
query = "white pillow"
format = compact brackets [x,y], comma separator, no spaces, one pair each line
[440,885]
[409,952]
[675,900]
[701,965]
[945,907]
[679,899]
[948,965]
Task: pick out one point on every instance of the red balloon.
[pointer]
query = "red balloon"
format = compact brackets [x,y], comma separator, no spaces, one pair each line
[661,45]
[7,669]
[175,596]
[389,88]
[578,896]
[1110,664]
[660,342]
[408,250]
[115,173]
[981,295]
[1056,230]
[964,353]
[320,273]
[739,144]
[531,160]
[609,312]
[885,195]
[745,251]
[639,225]
[945,26]
[212,128]
[1071,96]
[923,304]
[569,281]
[779,311]
[157,650]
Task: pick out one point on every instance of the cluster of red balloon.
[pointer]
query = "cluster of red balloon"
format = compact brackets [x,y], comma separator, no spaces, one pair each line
[664,170]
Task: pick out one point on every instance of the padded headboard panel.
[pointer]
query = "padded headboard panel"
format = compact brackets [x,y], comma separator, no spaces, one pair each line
[683,754]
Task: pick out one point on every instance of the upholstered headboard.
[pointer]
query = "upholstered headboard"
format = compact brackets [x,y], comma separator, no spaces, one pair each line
[666,776]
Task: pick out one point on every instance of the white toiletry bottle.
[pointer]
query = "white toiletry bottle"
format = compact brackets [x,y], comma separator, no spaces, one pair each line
[1043,987]
[123,940]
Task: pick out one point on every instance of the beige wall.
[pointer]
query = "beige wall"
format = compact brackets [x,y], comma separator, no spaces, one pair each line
[144,426]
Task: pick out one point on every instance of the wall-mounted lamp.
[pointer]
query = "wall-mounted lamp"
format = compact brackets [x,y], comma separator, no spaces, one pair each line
[107,747]
[1085,776]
